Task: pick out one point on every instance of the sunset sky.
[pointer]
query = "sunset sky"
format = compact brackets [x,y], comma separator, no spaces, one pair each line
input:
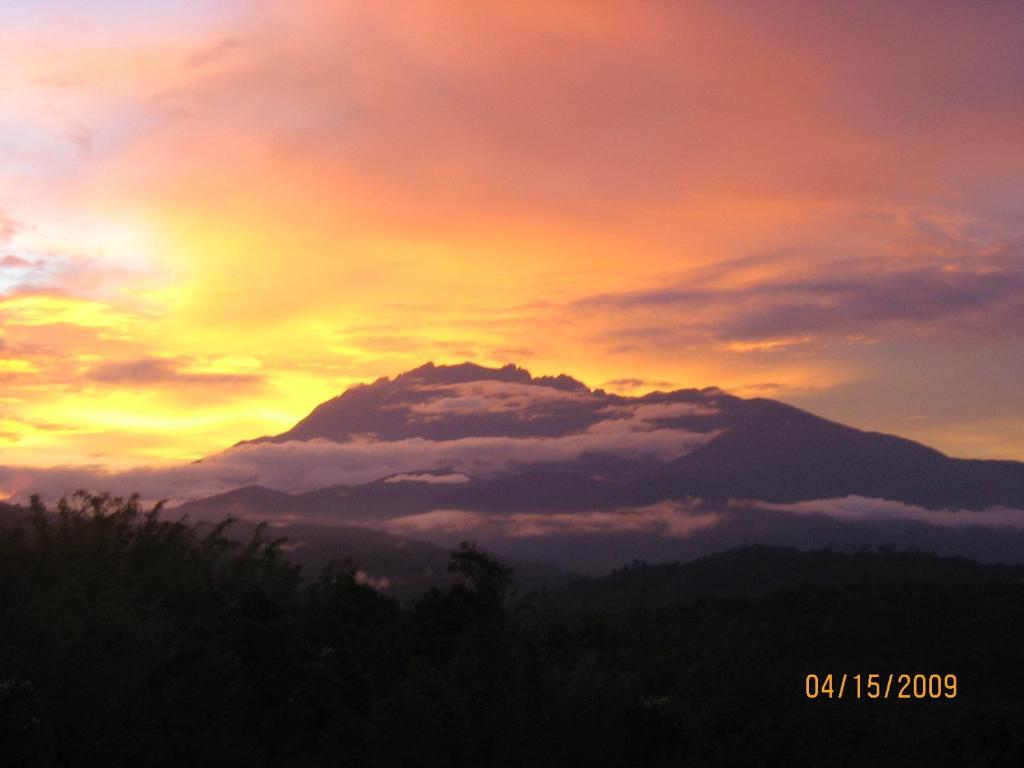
[214,215]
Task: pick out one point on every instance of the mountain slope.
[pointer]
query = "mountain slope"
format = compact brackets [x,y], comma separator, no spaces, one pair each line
[778,453]
[728,447]
[546,468]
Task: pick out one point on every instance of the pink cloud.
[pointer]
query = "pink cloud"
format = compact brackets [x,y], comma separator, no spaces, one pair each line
[15,262]
[668,519]
[429,479]
[8,227]
[858,509]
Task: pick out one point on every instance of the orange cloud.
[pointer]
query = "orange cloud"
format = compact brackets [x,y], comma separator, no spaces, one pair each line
[774,196]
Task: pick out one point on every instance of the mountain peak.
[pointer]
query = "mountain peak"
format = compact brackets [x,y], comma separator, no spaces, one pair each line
[461,373]
[442,402]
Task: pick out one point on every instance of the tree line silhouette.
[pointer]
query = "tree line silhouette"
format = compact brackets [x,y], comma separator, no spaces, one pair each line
[127,639]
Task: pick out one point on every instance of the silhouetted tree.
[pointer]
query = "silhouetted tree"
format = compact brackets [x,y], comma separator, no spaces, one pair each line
[129,640]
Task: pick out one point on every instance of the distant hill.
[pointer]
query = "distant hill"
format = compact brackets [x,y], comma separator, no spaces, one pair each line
[755,571]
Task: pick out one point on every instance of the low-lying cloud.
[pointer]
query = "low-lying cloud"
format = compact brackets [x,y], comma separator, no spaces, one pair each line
[307,465]
[452,478]
[491,397]
[859,509]
[681,519]
[667,519]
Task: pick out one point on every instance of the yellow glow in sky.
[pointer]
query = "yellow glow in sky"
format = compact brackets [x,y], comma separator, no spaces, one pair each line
[211,224]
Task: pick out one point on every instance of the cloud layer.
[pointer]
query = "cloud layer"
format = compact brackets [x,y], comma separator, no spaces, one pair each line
[284,198]
[667,519]
[684,519]
[975,294]
[308,465]
[857,509]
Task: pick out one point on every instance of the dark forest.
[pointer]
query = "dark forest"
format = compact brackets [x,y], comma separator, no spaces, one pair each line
[129,639]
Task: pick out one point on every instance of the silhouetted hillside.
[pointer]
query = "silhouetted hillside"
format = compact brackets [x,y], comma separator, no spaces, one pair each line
[396,565]
[760,570]
[775,452]
[130,640]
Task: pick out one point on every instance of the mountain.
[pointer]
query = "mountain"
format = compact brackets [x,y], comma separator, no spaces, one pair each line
[545,468]
[755,449]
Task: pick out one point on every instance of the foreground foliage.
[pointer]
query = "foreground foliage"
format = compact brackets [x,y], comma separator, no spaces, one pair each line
[130,640]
